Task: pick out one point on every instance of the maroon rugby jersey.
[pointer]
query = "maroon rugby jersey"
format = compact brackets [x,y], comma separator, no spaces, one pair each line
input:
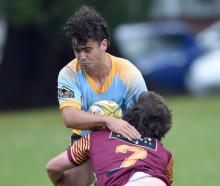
[115,159]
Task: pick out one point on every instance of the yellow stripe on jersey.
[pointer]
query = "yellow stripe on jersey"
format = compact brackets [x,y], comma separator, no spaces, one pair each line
[108,80]
[169,170]
[76,131]
[80,150]
[75,104]
[74,65]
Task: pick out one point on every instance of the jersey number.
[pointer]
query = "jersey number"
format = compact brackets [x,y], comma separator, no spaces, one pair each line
[138,153]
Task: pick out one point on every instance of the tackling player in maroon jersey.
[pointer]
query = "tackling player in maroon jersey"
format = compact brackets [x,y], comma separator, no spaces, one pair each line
[118,161]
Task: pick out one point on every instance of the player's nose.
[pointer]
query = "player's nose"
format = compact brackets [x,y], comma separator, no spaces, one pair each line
[82,55]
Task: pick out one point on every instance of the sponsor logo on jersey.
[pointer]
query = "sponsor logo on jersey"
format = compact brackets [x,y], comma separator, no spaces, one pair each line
[143,142]
[65,92]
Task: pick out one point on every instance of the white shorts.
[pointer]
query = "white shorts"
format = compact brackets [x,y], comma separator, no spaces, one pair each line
[138,175]
[143,179]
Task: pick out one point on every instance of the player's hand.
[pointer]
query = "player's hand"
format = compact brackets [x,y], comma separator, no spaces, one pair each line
[121,127]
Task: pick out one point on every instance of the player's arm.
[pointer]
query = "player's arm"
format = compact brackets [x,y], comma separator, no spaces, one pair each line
[76,155]
[78,119]
[69,96]
[57,166]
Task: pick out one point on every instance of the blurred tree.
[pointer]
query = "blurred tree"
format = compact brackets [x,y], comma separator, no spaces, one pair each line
[36,48]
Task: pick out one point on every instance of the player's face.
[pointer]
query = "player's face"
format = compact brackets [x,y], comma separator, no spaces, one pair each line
[91,54]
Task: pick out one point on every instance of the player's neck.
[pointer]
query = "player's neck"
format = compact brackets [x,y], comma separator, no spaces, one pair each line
[103,70]
[101,73]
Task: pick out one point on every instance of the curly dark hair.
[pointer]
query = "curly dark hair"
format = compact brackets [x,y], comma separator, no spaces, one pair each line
[150,115]
[86,24]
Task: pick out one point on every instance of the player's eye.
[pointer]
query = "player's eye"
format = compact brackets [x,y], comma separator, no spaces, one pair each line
[87,50]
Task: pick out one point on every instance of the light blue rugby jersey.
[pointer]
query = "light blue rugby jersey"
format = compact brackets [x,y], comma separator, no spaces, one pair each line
[76,88]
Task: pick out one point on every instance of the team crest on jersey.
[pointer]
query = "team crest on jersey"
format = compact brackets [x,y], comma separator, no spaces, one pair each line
[64,92]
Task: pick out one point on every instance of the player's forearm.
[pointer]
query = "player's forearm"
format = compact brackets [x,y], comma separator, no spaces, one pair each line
[55,176]
[57,166]
[81,120]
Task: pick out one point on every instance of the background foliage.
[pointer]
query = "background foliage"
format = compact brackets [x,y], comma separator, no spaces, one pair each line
[36,47]
[43,12]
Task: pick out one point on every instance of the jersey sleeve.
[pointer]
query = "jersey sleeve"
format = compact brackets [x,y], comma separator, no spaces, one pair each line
[136,86]
[68,91]
[78,152]
[169,170]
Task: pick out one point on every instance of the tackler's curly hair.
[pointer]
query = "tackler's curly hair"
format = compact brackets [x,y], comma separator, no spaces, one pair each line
[150,115]
[86,24]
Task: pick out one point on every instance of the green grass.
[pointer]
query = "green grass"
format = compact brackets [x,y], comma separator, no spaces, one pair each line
[28,139]
[194,140]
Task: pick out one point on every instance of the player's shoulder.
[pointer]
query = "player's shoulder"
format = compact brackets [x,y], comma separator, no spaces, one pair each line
[167,152]
[70,69]
[125,69]
[72,65]
[122,63]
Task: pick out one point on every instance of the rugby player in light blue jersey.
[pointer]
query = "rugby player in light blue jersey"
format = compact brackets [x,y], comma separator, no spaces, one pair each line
[92,76]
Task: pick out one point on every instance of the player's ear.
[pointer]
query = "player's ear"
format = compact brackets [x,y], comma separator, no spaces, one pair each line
[143,97]
[104,44]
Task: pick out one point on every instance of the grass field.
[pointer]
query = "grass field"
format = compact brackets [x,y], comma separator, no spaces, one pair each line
[28,139]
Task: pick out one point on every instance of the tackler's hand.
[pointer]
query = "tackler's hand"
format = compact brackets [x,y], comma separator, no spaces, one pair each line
[121,127]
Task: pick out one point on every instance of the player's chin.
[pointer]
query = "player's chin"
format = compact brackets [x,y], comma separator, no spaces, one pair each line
[88,67]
